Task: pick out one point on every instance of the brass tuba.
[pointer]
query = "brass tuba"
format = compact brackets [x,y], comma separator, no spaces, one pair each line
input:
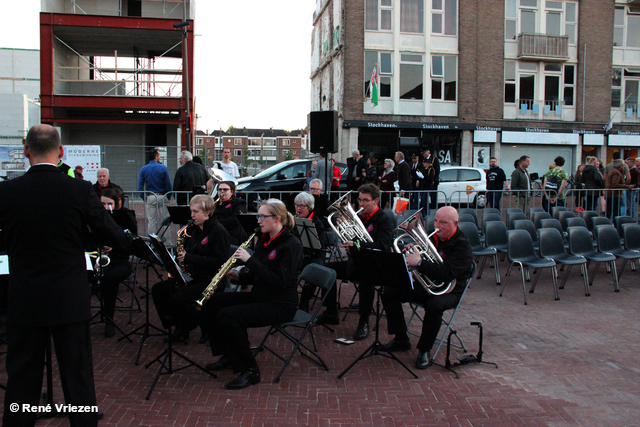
[348,226]
[415,229]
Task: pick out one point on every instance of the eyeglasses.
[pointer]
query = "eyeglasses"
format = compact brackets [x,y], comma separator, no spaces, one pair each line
[298,205]
[262,217]
[222,190]
[314,189]
[364,200]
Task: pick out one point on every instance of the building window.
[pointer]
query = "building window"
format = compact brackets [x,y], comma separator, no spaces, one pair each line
[557,18]
[237,141]
[378,15]
[286,142]
[444,70]
[237,153]
[444,17]
[625,81]
[382,62]
[559,84]
[569,84]
[411,76]
[412,16]
[294,152]
[626,31]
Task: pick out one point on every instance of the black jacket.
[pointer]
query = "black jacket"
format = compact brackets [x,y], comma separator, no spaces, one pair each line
[227,214]
[414,177]
[403,174]
[457,260]
[44,215]
[99,189]
[126,219]
[206,250]
[592,178]
[190,177]
[359,166]
[428,180]
[274,269]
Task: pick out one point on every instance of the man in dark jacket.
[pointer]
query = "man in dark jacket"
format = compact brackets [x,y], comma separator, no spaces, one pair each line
[189,177]
[380,227]
[457,263]
[521,183]
[496,181]
[593,180]
[356,164]
[44,216]
[104,182]
[415,196]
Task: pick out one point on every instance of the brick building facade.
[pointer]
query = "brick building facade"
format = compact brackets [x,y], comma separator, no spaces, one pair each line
[510,77]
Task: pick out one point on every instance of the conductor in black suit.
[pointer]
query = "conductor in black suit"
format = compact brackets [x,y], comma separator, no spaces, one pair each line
[45,215]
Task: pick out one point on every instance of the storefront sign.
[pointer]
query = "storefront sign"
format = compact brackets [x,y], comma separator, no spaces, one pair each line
[407,125]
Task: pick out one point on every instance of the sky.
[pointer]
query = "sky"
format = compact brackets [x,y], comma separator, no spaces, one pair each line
[251,59]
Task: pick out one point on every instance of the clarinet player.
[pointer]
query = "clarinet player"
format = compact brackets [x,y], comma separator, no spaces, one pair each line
[273,271]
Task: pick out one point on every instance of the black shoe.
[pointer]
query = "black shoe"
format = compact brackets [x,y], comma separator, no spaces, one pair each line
[398,345]
[327,319]
[362,332]
[424,360]
[109,330]
[245,379]
[178,336]
[222,363]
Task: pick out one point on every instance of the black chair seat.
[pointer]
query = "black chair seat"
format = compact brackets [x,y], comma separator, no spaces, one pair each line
[535,262]
[482,251]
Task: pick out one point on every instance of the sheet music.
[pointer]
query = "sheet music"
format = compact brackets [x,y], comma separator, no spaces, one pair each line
[4,264]
[410,274]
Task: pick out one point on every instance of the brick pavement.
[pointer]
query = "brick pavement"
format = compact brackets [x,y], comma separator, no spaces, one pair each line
[572,362]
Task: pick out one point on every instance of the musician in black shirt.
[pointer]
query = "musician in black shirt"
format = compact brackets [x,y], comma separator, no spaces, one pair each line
[227,210]
[273,271]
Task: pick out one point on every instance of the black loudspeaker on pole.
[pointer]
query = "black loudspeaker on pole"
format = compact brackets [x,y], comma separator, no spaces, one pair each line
[324,131]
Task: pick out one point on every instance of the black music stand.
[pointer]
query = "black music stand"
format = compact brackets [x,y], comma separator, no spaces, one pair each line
[380,269]
[165,359]
[249,222]
[308,234]
[180,214]
[141,249]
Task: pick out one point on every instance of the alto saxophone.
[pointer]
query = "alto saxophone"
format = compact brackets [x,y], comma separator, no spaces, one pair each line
[183,237]
[221,274]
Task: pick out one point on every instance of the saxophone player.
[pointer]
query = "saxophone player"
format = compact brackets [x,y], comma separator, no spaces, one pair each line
[273,271]
[457,261]
[205,251]
[227,210]
[380,227]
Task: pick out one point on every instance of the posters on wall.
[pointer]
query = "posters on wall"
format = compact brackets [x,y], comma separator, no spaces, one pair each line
[13,163]
[481,156]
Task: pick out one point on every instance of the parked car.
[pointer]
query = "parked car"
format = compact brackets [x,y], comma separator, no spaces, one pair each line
[462,185]
[283,181]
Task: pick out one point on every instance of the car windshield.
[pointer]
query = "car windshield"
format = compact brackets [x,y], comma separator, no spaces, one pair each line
[265,173]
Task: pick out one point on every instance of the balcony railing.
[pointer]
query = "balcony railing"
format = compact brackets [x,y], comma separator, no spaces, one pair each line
[535,109]
[541,46]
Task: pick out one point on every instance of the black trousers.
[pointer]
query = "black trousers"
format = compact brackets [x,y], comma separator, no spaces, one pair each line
[25,366]
[367,292]
[179,306]
[434,306]
[116,272]
[228,315]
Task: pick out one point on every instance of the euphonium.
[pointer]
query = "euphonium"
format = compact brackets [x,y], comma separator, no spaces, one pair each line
[414,229]
[209,290]
[348,226]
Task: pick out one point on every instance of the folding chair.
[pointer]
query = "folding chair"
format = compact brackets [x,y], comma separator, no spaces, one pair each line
[554,223]
[496,236]
[471,233]
[620,221]
[527,225]
[513,216]
[323,278]
[555,211]
[580,243]
[521,253]
[631,233]
[563,216]
[552,246]
[609,242]
[442,337]
[588,218]
[537,218]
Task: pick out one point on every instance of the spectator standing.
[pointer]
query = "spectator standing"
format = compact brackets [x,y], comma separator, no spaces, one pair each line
[414,200]
[321,172]
[632,194]
[227,165]
[356,164]
[387,179]
[593,183]
[578,183]
[78,172]
[496,182]
[154,179]
[521,183]
[614,183]
[337,175]
[104,182]
[435,163]
[66,169]
[403,173]
[426,183]
[554,184]
[189,177]
[370,174]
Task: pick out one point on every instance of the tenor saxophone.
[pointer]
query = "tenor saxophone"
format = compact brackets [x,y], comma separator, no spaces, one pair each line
[221,274]
[183,237]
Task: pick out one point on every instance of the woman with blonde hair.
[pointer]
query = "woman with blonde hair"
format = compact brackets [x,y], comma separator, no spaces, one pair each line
[273,270]
[386,179]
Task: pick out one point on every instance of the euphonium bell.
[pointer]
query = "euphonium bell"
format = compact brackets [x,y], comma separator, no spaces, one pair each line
[348,226]
[415,230]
